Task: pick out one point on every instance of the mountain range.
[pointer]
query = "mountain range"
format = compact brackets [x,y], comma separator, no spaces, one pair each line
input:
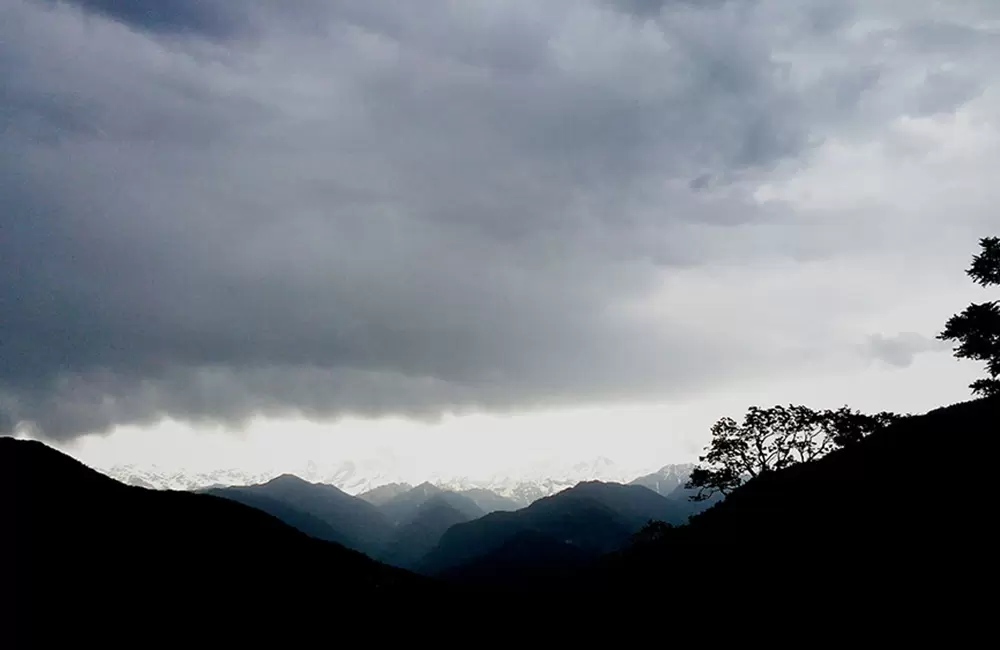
[584,521]
[435,531]
[374,483]
[841,535]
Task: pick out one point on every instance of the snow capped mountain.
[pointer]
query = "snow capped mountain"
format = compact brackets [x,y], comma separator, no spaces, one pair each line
[538,480]
[522,486]
[666,479]
[162,479]
[350,476]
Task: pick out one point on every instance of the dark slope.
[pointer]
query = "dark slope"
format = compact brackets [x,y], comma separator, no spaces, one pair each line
[853,523]
[347,520]
[527,558]
[301,521]
[592,517]
[79,543]
[416,538]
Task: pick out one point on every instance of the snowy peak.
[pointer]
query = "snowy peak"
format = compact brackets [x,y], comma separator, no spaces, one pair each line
[380,483]
[667,479]
[154,477]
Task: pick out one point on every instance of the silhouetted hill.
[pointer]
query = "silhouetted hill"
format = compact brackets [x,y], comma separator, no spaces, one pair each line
[302,521]
[347,520]
[852,523]
[527,558]
[414,539]
[80,544]
[592,517]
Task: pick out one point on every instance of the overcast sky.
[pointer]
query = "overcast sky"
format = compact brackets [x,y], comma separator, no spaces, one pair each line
[328,215]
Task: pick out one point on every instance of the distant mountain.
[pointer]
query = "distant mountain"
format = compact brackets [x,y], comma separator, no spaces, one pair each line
[348,520]
[519,488]
[593,517]
[667,479]
[384,493]
[402,508]
[532,483]
[89,546]
[489,501]
[400,531]
[414,539]
[158,478]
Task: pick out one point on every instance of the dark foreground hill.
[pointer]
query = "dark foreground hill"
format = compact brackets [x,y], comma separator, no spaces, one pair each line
[77,543]
[854,526]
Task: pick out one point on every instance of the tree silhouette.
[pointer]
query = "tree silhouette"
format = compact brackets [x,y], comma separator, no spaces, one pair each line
[774,438]
[977,329]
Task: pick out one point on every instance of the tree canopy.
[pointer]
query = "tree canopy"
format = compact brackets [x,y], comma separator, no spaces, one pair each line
[773,438]
[976,331]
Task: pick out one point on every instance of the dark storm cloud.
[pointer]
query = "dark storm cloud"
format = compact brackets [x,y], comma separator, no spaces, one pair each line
[379,208]
[170,16]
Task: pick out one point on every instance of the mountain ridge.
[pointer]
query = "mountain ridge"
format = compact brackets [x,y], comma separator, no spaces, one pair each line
[517,489]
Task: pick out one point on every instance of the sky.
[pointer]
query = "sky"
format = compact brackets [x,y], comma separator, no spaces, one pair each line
[478,234]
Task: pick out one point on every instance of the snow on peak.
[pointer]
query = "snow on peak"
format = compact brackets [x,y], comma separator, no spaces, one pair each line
[524,485]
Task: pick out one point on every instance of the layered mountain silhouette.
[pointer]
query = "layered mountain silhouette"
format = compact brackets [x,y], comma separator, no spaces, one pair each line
[423,530]
[344,519]
[380,495]
[486,500]
[405,525]
[76,542]
[402,508]
[845,531]
[413,528]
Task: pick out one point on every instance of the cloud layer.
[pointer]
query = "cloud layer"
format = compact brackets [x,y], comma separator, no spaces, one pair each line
[373,208]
